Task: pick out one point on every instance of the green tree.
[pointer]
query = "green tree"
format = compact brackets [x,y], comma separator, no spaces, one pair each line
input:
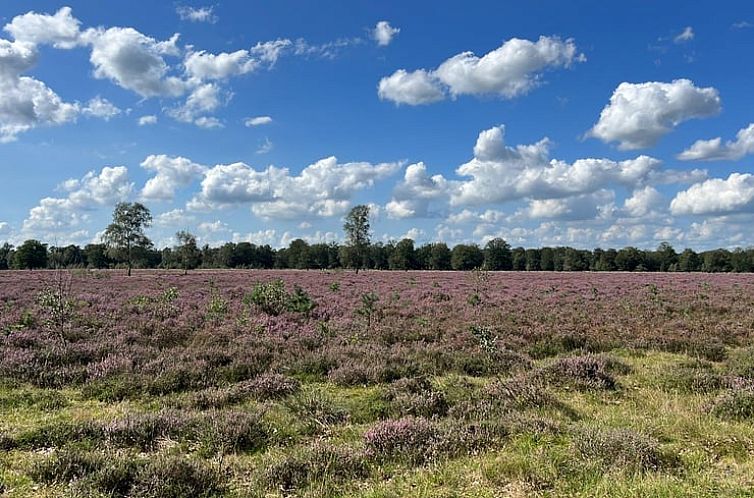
[356,227]
[6,251]
[403,256]
[466,257]
[30,255]
[440,257]
[187,251]
[126,232]
[497,255]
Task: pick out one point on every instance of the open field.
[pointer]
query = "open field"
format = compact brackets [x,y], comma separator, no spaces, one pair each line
[376,384]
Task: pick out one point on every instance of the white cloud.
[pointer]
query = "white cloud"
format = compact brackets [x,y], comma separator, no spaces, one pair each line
[216,226]
[174,218]
[204,65]
[643,202]
[716,196]
[54,217]
[196,14]
[638,115]
[134,61]
[384,33]
[171,173]
[684,36]
[265,147]
[257,121]
[412,196]
[60,29]
[203,100]
[415,88]
[322,189]
[99,107]
[270,51]
[147,120]
[715,150]
[501,173]
[511,70]
[599,204]
[208,122]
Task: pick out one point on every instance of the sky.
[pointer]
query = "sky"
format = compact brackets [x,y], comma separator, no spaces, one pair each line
[584,123]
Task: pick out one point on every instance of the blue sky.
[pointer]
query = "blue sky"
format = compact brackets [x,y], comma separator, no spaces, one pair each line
[547,123]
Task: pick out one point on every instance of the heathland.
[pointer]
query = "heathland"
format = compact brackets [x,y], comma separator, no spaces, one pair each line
[376,384]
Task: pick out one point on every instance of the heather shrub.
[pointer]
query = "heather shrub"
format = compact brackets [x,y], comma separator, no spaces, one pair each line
[268,386]
[177,477]
[499,361]
[353,373]
[522,391]
[584,372]
[64,466]
[316,409]
[623,448]
[223,432]
[321,462]
[416,397]
[270,297]
[45,400]
[695,376]
[146,430]
[734,404]
[741,362]
[408,439]
[112,389]
[60,433]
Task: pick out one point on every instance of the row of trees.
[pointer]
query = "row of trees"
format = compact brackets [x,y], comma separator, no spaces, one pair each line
[126,245]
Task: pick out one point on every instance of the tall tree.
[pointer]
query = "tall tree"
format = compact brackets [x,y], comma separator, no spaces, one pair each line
[188,253]
[497,255]
[30,255]
[126,232]
[356,227]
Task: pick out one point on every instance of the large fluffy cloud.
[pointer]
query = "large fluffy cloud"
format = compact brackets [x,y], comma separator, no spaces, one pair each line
[715,149]
[412,196]
[60,29]
[171,173]
[716,196]
[54,217]
[500,173]
[639,114]
[511,70]
[321,189]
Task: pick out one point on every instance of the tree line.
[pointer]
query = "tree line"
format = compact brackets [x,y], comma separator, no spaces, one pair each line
[125,245]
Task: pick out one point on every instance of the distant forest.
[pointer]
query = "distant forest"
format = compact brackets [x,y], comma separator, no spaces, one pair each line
[497,254]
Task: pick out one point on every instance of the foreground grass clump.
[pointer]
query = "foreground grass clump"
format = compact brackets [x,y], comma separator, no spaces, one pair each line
[330,384]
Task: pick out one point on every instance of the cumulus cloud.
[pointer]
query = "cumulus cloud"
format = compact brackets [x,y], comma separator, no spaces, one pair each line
[134,61]
[171,173]
[643,202]
[196,14]
[174,218]
[716,150]
[639,114]
[599,204]
[60,30]
[412,196]
[205,65]
[500,173]
[55,216]
[383,33]
[511,70]
[257,121]
[716,196]
[99,107]
[203,100]
[414,88]
[147,120]
[322,189]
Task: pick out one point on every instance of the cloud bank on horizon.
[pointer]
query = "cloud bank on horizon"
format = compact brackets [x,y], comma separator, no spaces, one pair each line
[573,147]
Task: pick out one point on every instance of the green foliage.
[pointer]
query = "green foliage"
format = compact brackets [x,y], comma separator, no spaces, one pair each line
[273,298]
[126,232]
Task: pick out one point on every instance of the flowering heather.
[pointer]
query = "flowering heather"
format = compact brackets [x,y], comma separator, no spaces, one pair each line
[339,384]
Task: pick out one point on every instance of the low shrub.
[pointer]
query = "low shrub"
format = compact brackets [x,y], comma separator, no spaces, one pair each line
[316,410]
[269,386]
[740,362]
[415,397]
[176,477]
[64,466]
[321,462]
[410,438]
[734,404]
[584,372]
[622,448]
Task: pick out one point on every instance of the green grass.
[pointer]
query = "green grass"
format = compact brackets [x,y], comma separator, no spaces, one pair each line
[710,455]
